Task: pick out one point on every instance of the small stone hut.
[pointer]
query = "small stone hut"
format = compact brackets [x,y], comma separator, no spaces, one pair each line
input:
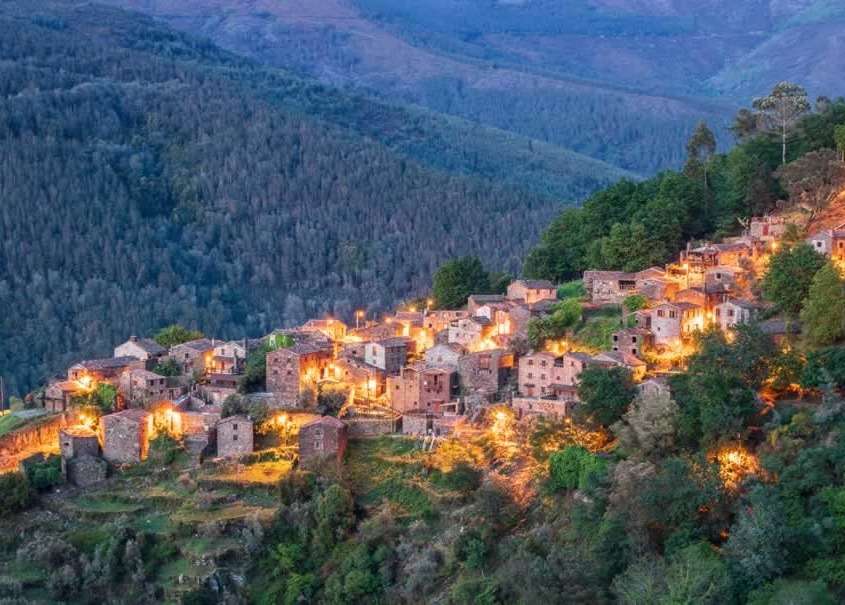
[234,436]
[126,436]
[322,439]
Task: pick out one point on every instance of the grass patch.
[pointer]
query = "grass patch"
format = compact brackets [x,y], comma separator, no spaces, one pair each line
[236,511]
[27,574]
[10,422]
[571,289]
[597,331]
[88,539]
[410,497]
[108,505]
[260,473]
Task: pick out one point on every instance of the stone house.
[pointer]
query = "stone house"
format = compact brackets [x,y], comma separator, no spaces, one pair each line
[673,322]
[321,440]
[734,254]
[654,387]
[609,287]
[102,370]
[126,436]
[333,329]
[145,349]
[228,357]
[695,295]
[141,386]
[215,388]
[58,395]
[439,319]
[444,355]
[767,228]
[538,371]
[658,289]
[81,462]
[733,278]
[531,291]
[294,369]
[194,355]
[830,242]
[75,441]
[574,363]
[635,341]
[368,380]
[234,437]
[479,300]
[508,320]
[733,312]
[485,372]
[419,388]
[623,359]
[389,354]
[556,409]
[470,331]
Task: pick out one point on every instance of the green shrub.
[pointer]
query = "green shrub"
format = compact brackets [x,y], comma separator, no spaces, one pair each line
[15,494]
[44,475]
[574,467]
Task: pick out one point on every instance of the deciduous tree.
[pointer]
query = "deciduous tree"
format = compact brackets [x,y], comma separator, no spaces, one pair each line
[791,271]
[823,315]
[782,108]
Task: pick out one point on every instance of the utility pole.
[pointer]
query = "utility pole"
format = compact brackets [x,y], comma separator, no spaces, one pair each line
[2,394]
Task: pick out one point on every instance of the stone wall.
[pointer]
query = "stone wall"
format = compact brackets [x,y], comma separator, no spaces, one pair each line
[41,435]
[366,428]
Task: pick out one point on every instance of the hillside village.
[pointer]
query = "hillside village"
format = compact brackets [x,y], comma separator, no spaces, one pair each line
[421,372]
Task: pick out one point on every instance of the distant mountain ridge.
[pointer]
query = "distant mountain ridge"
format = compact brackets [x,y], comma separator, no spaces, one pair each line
[623,81]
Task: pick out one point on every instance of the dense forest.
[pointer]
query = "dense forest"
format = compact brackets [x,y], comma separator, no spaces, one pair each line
[147,177]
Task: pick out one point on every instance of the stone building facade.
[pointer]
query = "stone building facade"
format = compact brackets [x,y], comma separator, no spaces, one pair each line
[321,440]
[235,437]
[126,436]
[292,370]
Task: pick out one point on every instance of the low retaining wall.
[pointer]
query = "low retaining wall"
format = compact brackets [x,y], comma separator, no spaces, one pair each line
[365,428]
[39,436]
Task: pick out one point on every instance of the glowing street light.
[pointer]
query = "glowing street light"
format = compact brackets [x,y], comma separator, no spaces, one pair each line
[358,315]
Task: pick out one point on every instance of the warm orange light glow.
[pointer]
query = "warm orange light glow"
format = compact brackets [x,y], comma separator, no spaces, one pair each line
[86,383]
[88,421]
[735,464]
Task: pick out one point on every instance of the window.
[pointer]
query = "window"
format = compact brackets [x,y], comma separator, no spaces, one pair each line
[235,437]
[531,362]
[633,339]
[235,426]
[660,313]
[530,375]
[318,445]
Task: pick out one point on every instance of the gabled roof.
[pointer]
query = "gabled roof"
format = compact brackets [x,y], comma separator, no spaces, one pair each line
[236,418]
[740,302]
[146,344]
[535,284]
[585,357]
[487,298]
[621,357]
[110,363]
[200,344]
[326,421]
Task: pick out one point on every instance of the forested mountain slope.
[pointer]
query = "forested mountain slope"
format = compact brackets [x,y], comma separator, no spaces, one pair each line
[624,81]
[147,177]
